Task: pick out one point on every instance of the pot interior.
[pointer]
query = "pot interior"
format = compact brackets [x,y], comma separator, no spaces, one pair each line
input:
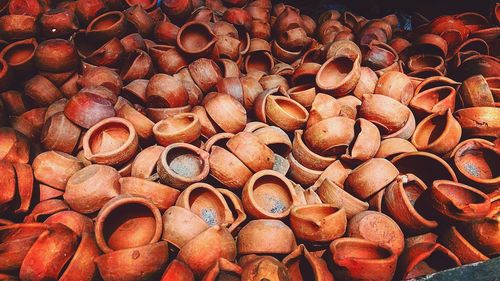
[336,71]
[106,22]
[430,98]
[425,168]
[130,225]
[300,269]
[173,125]
[413,191]
[437,261]
[195,38]
[479,163]
[272,195]
[207,206]
[460,196]
[108,138]
[291,108]
[317,212]
[421,61]
[184,162]
[19,53]
[431,130]
[259,61]
[356,250]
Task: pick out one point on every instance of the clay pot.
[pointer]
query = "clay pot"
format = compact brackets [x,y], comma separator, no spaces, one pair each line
[181,165]
[206,202]
[90,188]
[366,83]
[205,73]
[301,174]
[106,26]
[323,107]
[83,259]
[283,54]
[366,144]
[456,242]
[177,270]
[9,182]
[265,236]
[336,135]
[137,65]
[200,258]
[133,41]
[475,91]
[426,166]
[434,100]
[45,209]
[60,134]
[58,23]
[484,235]
[220,161]
[226,112]
[41,90]
[136,89]
[14,147]
[229,68]
[301,263]
[56,55]
[184,128]
[391,147]
[5,78]
[53,247]
[236,207]
[142,124]
[260,29]
[318,223]
[87,108]
[112,141]
[29,123]
[399,203]
[275,138]
[24,178]
[364,182]
[268,194]
[145,162]
[438,133]
[17,27]
[285,113]
[468,203]
[388,114]
[305,73]
[161,195]
[88,10]
[251,151]
[139,263]
[339,75]
[425,258]
[109,53]
[102,76]
[175,229]
[303,94]
[55,168]
[165,91]
[117,231]
[359,259]
[471,118]
[167,59]
[140,20]
[266,267]
[78,223]
[196,38]
[379,228]
[395,85]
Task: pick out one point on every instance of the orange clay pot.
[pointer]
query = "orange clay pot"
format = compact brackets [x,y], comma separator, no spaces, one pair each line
[161,195]
[391,147]
[55,168]
[330,136]
[14,146]
[359,259]
[265,236]
[165,91]
[331,193]
[182,164]
[475,91]
[175,229]
[301,263]
[339,75]
[463,249]
[366,143]
[472,118]
[433,100]
[181,128]
[370,177]
[266,267]
[226,112]
[396,85]
[388,114]
[251,151]
[144,163]
[319,223]
[220,161]
[196,38]
[268,194]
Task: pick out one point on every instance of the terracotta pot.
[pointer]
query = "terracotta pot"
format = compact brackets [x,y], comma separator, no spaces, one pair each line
[388,114]
[438,133]
[234,177]
[145,162]
[196,38]
[366,144]
[301,263]
[83,259]
[137,65]
[303,94]
[87,108]
[142,124]
[392,147]
[175,229]
[138,17]
[17,27]
[484,235]
[91,187]
[55,168]
[266,267]
[139,263]
[338,139]
[395,85]
[453,240]
[285,113]
[206,202]
[205,73]
[319,223]
[136,89]
[323,107]
[265,236]
[470,118]
[200,259]
[45,209]
[275,138]
[133,41]
[29,123]
[41,90]
[167,59]
[226,112]
[337,172]
[421,164]
[9,182]
[112,141]
[161,195]
[165,91]
[217,139]
[364,182]
[184,128]
[366,84]
[359,259]
[468,204]
[229,68]
[236,207]
[102,76]
[33,8]
[425,258]
[54,247]
[60,134]
[434,100]
[58,23]
[177,270]
[301,174]
[399,203]
[494,85]
[283,54]
[260,29]
[305,73]
[54,108]
[182,164]
[268,194]
[116,231]
[109,53]
[475,91]
[251,151]
[108,25]
[346,72]
[88,10]
[24,177]
[14,147]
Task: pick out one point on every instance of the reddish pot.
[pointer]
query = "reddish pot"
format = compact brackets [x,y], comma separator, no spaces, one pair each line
[17,27]
[127,222]
[344,81]
[41,90]
[45,209]
[177,271]
[251,151]
[161,195]
[178,11]
[265,236]
[24,177]
[83,260]
[91,187]
[144,162]
[55,168]
[107,26]
[80,224]
[266,267]
[101,76]
[132,42]
[31,7]
[182,164]
[301,263]
[470,119]
[60,134]
[56,23]
[323,107]
[395,85]
[14,147]
[475,91]
[366,144]
[109,53]
[56,55]
[338,139]
[388,114]
[205,73]
[318,223]
[391,147]
[137,65]
[90,9]
[87,108]
[433,100]
[463,249]
[165,91]
[167,59]
[227,168]
[140,19]
[196,38]
[142,124]
[226,112]
[364,182]
[175,229]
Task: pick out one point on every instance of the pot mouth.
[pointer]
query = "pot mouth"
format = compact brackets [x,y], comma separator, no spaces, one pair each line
[195,38]
[18,53]
[335,72]
[106,21]
[437,260]
[459,195]
[259,61]
[429,98]
[208,206]
[315,212]
[426,166]
[431,130]
[358,249]
[185,162]
[271,195]
[291,108]
[177,124]
[478,162]
[110,138]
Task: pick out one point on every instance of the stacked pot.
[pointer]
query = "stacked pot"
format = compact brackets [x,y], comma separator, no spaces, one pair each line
[240,140]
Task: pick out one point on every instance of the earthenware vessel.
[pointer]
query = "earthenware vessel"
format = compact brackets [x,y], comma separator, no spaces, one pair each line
[175,229]
[301,263]
[254,238]
[55,168]
[318,223]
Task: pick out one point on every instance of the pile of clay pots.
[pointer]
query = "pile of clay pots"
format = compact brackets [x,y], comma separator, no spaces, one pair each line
[237,140]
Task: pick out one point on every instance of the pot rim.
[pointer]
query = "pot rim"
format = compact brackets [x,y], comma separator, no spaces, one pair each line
[202,154]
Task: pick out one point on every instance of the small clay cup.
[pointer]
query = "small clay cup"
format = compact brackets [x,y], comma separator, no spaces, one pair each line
[266,236]
[181,128]
[55,168]
[319,223]
[161,195]
[175,229]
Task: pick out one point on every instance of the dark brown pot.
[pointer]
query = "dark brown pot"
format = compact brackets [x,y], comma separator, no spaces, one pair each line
[56,55]
[58,23]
